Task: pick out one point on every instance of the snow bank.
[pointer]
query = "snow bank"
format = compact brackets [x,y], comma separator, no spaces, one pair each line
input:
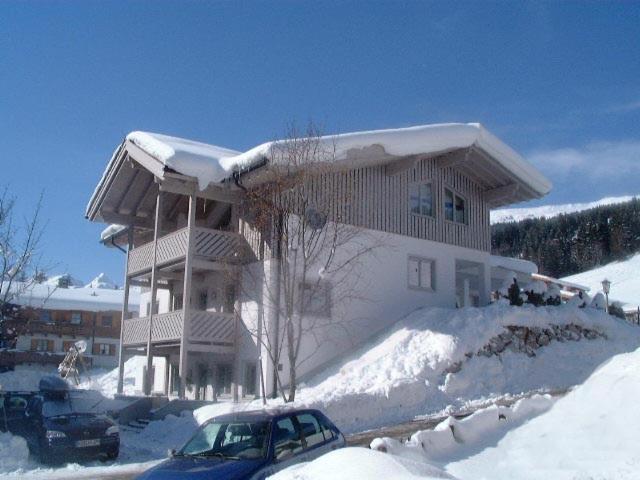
[549,211]
[435,359]
[361,464]
[590,433]
[458,438]
[25,378]
[14,453]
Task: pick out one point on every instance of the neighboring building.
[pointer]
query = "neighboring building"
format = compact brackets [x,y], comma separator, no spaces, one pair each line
[58,313]
[425,191]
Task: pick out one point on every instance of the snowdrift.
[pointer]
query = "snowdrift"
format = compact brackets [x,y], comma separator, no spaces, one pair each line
[438,360]
[590,433]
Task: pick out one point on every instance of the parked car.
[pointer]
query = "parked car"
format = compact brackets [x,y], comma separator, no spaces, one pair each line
[250,446]
[58,429]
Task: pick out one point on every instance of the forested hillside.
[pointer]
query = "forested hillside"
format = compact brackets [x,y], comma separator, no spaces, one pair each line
[573,242]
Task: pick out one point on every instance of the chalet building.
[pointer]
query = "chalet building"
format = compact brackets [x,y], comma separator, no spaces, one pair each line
[54,317]
[423,193]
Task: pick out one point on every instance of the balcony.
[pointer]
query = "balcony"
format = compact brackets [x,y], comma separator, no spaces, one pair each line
[206,328]
[211,245]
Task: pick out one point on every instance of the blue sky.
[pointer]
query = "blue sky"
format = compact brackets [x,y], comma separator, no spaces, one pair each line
[558,81]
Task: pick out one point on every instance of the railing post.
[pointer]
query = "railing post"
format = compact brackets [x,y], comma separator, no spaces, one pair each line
[154,292]
[125,312]
[186,296]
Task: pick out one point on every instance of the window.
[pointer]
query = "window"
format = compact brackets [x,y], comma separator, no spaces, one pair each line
[45,316]
[328,429]
[454,207]
[287,441]
[316,298]
[421,199]
[177,301]
[202,300]
[103,348]
[76,318]
[311,429]
[42,345]
[249,387]
[241,440]
[107,320]
[421,273]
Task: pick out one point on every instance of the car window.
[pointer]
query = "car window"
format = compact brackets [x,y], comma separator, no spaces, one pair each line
[311,429]
[328,429]
[287,441]
[234,440]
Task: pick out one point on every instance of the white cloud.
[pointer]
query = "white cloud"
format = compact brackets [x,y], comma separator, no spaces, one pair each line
[594,160]
[627,107]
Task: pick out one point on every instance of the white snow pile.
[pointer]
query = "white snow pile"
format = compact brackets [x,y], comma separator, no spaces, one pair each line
[195,159]
[549,211]
[209,163]
[25,379]
[456,439]
[590,433]
[624,278]
[361,464]
[14,453]
[435,359]
[102,281]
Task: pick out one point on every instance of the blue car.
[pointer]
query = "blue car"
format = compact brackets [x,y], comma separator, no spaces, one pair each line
[250,446]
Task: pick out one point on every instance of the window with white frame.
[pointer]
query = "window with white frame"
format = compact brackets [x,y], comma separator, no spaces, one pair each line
[421,199]
[455,207]
[421,273]
[76,318]
[103,349]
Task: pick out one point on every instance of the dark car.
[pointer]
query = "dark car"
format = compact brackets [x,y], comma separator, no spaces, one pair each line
[250,445]
[58,428]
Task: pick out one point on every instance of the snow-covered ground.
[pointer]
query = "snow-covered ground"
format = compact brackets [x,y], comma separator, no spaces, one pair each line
[624,278]
[549,211]
[432,361]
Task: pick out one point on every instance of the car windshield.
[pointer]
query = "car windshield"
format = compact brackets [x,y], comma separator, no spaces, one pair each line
[233,440]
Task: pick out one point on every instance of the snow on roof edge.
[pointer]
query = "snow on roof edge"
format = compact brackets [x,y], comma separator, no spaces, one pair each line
[514,264]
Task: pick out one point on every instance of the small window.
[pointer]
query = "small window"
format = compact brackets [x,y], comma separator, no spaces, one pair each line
[249,386]
[41,345]
[455,209]
[103,349]
[328,429]
[421,199]
[421,273]
[107,320]
[76,318]
[177,301]
[316,298]
[311,429]
[202,300]
[287,441]
[45,316]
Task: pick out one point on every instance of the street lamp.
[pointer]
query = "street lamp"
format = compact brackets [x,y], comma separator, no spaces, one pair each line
[606,286]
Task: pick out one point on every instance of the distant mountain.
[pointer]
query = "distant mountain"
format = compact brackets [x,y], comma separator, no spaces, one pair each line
[102,281]
[550,211]
[570,243]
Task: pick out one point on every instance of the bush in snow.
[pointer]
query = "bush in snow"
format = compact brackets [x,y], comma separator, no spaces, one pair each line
[552,295]
[616,310]
[513,294]
[535,293]
[580,300]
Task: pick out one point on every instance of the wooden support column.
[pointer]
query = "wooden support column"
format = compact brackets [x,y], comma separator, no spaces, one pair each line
[186,296]
[167,376]
[154,293]
[125,312]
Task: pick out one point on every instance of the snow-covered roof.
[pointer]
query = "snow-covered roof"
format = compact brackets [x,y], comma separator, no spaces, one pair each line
[199,160]
[84,298]
[111,231]
[513,264]
[213,164]
[102,281]
[561,282]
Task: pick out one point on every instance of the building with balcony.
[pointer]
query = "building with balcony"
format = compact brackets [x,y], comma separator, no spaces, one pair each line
[208,271]
[55,315]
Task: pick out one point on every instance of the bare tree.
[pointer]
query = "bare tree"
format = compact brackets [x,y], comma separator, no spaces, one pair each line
[318,254]
[19,253]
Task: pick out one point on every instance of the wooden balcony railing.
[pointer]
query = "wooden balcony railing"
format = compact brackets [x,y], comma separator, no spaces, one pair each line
[209,244]
[206,327]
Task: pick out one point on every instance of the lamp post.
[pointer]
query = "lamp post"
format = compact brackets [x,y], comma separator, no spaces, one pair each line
[606,286]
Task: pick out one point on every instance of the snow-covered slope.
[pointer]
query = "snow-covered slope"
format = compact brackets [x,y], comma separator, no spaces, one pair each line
[435,359]
[548,211]
[590,433]
[623,275]
[102,281]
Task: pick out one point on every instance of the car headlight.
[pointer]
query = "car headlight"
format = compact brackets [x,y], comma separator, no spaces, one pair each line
[113,430]
[55,434]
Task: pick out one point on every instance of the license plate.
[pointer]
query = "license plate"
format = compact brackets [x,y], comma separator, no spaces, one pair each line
[93,442]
